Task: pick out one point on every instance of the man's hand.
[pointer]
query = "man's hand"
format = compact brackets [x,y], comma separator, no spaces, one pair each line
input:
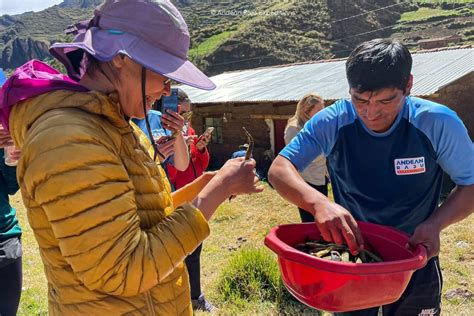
[427,234]
[337,225]
[5,138]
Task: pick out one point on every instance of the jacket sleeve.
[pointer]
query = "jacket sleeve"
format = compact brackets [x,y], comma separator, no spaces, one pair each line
[76,175]
[202,158]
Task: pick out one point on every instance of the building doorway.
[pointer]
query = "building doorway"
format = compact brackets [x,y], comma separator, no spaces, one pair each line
[279,133]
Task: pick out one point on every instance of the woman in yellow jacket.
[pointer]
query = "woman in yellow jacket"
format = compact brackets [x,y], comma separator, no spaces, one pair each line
[110,235]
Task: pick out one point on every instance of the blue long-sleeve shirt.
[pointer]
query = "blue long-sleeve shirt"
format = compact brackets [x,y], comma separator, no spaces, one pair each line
[9,226]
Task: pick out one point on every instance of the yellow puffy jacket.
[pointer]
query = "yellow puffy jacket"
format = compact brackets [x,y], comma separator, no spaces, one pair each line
[101,209]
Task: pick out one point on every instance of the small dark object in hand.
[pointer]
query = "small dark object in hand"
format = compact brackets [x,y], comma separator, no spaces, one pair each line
[248,153]
[334,252]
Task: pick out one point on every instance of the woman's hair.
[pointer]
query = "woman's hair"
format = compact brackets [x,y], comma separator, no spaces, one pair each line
[303,109]
[182,96]
[92,66]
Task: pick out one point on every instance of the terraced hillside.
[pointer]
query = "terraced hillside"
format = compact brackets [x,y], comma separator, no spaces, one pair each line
[230,34]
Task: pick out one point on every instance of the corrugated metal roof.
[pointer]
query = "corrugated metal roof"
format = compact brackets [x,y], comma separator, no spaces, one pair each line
[432,70]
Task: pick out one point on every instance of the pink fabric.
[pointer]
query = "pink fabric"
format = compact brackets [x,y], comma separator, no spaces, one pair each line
[32,79]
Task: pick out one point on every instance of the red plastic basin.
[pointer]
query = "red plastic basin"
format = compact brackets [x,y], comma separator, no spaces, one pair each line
[340,286]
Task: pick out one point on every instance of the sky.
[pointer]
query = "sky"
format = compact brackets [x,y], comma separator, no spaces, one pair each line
[19,6]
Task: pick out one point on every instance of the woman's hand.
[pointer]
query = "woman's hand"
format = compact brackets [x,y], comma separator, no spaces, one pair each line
[203,141]
[5,137]
[15,154]
[239,177]
[165,145]
[189,139]
[172,121]
[236,177]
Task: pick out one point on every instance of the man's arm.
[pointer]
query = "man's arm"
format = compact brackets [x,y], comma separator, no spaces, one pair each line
[334,222]
[458,206]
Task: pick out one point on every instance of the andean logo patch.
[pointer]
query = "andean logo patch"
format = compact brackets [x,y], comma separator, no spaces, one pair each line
[408,166]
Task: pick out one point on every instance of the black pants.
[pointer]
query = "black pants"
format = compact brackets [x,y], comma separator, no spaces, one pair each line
[10,287]
[193,263]
[421,297]
[305,215]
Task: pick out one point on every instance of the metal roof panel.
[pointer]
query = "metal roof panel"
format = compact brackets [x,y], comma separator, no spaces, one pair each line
[432,70]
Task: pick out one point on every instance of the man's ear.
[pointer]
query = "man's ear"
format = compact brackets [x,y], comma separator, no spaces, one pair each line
[409,85]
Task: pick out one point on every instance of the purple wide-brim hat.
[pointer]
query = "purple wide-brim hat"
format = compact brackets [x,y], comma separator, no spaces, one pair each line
[151,33]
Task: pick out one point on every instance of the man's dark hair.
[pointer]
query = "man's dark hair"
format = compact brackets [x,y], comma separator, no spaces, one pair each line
[377,64]
[182,96]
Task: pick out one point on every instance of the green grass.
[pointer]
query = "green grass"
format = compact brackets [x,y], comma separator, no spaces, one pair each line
[210,44]
[250,276]
[426,13]
[442,1]
[242,224]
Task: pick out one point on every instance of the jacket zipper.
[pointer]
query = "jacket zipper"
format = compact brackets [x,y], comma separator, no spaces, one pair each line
[149,303]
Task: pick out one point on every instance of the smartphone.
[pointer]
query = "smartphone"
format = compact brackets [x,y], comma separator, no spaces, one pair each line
[164,139]
[207,132]
[169,102]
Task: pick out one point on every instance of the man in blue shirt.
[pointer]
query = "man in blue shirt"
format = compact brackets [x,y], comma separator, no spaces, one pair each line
[386,152]
[241,152]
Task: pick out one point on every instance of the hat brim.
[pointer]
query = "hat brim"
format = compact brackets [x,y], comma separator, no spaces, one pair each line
[104,46]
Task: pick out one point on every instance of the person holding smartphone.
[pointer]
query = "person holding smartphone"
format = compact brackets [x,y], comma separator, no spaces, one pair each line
[111,235]
[170,149]
[198,162]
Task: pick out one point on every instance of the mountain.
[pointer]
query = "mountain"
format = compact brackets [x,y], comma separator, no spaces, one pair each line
[82,4]
[230,35]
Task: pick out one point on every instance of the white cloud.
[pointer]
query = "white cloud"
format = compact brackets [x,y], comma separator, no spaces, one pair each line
[19,6]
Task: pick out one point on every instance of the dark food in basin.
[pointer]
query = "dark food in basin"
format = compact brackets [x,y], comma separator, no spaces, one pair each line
[334,252]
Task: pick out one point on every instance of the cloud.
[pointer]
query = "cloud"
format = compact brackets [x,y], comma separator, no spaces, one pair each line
[17,7]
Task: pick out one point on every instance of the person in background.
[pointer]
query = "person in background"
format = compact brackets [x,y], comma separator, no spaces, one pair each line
[315,173]
[198,162]
[111,235]
[386,154]
[171,150]
[241,152]
[10,234]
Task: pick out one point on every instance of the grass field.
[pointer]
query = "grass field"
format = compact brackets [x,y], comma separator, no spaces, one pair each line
[209,44]
[243,223]
[425,13]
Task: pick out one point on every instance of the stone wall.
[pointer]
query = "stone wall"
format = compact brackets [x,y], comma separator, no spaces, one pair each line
[459,96]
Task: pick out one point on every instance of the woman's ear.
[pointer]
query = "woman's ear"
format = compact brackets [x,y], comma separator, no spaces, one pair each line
[118,61]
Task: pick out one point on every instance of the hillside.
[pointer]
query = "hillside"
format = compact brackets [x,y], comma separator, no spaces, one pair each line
[231,35]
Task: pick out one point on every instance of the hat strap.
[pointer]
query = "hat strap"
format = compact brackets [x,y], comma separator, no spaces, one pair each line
[147,121]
